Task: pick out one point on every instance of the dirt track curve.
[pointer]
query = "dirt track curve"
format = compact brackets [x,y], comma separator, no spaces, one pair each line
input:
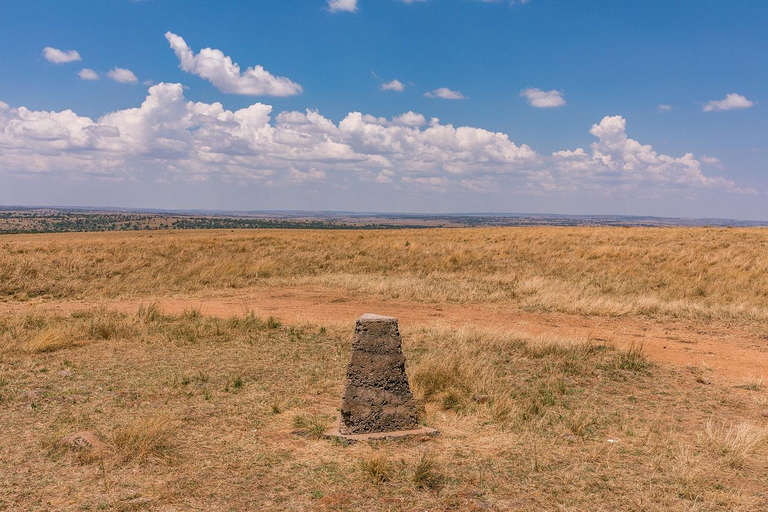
[734,354]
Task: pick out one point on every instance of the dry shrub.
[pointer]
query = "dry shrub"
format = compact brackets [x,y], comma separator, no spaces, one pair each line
[735,442]
[150,437]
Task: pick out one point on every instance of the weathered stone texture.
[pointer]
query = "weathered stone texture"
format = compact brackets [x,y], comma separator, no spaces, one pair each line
[377,397]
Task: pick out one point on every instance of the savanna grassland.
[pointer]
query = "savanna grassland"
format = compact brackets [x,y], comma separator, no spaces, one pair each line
[187,410]
[683,272]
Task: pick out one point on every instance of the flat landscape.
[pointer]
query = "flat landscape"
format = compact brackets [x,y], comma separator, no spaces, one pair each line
[608,368]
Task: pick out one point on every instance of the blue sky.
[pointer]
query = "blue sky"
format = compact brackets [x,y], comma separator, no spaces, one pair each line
[652,107]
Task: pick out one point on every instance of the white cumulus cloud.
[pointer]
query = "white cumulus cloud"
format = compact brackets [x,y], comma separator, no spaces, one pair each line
[445,93]
[617,161]
[123,76]
[168,138]
[225,74]
[342,5]
[409,119]
[88,74]
[664,108]
[543,99]
[393,85]
[731,101]
[57,56]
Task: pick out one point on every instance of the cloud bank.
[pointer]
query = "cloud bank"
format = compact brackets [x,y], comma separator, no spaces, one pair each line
[168,138]
[222,72]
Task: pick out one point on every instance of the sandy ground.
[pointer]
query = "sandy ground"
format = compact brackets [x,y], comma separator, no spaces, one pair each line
[726,353]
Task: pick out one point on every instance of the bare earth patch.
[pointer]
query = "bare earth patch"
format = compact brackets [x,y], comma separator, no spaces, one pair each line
[724,351]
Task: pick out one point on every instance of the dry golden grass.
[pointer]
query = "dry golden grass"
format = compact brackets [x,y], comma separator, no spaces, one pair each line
[568,424]
[668,272]
[206,413]
[753,383]
[37,332]
[735,442]
[377,466]
[145,438]
[49,340]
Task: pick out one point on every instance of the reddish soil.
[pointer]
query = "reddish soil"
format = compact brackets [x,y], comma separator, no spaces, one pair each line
[734,354]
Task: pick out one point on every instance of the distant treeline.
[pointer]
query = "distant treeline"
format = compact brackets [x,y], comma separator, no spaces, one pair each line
[63,222]
[238,223]
[21,220]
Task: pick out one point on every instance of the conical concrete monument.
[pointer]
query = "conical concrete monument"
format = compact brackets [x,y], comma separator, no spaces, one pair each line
[377,399]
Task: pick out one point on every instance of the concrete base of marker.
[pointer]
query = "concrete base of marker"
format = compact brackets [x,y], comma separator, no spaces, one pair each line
[397,434]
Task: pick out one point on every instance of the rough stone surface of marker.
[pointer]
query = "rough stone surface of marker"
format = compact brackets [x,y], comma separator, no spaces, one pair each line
[377,397]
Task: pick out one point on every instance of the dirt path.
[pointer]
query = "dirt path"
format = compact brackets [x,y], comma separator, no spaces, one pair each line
[733,354]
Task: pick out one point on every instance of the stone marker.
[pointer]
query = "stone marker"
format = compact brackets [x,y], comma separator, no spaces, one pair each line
[377,401]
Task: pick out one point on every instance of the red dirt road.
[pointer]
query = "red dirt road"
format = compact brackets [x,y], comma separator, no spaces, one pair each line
[735,355]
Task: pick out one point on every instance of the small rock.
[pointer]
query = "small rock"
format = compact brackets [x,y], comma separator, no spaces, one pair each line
[481,399]
[469,493]
[65,373]
[84,441]
[478,504]
[35,393]
[703,379]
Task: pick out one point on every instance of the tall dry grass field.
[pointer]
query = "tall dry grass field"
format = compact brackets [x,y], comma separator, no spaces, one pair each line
[685,272]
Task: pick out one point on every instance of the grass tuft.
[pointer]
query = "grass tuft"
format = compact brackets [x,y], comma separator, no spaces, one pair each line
[150,313]
[311,425]
[425,474]
[753,384]
[50,339]
[633,359]
[377,467]
[736,442]
[273,323]
[150,437]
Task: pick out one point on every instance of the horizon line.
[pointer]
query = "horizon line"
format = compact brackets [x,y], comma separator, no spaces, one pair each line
[360,213]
